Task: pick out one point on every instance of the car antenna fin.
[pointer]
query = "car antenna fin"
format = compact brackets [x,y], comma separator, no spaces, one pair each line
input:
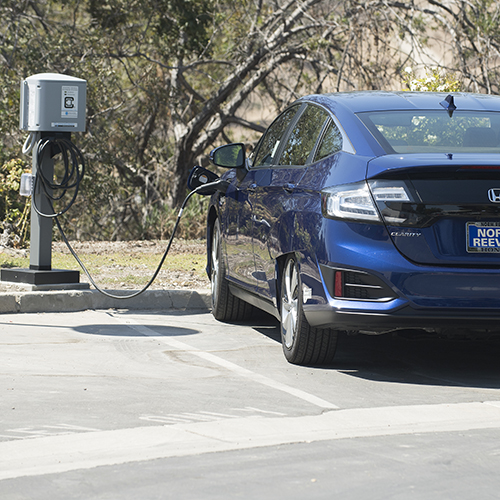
[449,104]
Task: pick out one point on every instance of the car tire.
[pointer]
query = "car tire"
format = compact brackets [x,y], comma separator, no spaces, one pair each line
[302,344]
[225,306]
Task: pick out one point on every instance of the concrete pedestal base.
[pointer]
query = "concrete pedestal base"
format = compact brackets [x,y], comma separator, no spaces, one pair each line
[43,280]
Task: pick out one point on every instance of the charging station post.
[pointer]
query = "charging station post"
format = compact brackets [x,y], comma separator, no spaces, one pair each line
[41,227]
[52,105]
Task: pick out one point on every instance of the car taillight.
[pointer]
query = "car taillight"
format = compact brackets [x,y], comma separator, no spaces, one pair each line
[394,201]
[390,193]
[376,200]
[349,201]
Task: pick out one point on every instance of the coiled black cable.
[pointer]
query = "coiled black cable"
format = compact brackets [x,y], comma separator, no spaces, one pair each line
[73,172]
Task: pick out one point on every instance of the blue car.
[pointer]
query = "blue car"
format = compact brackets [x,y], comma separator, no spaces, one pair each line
[364,212]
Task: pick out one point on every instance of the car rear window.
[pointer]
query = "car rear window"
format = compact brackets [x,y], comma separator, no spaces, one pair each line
[435,131]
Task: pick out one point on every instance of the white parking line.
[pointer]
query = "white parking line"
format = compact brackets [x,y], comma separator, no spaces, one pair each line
[56,454]
[228,365]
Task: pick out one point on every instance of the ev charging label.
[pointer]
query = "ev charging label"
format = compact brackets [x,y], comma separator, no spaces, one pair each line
[69,101]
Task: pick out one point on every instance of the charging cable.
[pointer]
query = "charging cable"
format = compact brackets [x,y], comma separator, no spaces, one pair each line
[135,294]
[74,168]
[29,143]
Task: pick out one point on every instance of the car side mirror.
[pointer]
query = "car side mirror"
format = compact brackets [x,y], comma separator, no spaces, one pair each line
[229,156]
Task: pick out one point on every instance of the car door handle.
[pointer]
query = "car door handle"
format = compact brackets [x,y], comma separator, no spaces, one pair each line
[289,187]
[260,221]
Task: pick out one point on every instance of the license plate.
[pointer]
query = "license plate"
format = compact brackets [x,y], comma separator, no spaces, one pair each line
[483,237]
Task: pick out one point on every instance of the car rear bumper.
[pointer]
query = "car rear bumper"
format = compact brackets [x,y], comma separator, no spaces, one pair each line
[423,297]
[403,317]
[415,296]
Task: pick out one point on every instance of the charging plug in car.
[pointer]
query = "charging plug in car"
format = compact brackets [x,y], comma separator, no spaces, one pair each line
[205,182]
[200,176]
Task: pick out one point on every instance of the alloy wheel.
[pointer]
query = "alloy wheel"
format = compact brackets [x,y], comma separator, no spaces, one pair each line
[289,303]
[214,276]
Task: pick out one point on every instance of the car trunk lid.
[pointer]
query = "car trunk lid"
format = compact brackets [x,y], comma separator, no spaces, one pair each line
[440,209]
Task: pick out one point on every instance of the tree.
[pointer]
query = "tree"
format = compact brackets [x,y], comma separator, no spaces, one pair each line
[272,41]
[170,79]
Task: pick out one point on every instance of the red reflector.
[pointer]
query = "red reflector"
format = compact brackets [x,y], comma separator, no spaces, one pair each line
[339,288]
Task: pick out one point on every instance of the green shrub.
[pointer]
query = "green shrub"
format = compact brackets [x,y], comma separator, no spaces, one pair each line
[14,209]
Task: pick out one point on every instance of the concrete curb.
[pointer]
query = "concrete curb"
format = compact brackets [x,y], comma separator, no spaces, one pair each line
[81,300]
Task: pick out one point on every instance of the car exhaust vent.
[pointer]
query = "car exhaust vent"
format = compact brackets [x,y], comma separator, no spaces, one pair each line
[355,285]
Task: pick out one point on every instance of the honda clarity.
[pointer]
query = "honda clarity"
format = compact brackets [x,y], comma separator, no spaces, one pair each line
[366,212]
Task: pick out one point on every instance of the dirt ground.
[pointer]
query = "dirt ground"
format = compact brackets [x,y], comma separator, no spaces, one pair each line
[117,276]
[183,268]
[198,247]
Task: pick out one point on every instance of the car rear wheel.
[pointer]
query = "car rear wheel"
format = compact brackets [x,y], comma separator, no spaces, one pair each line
[302,344]
[225,306]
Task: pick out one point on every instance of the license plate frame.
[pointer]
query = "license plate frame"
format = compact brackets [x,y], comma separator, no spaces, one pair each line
[483,237]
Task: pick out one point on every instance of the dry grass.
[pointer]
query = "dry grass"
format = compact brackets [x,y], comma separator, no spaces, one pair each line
[127,264]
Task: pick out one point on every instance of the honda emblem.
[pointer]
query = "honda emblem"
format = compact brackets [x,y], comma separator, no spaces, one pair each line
[494,195]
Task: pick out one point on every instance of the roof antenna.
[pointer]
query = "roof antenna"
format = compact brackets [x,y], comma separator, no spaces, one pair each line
[449,104]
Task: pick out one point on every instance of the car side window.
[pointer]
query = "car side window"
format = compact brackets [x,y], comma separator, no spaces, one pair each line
[269,144]
[331,142]
[303,137]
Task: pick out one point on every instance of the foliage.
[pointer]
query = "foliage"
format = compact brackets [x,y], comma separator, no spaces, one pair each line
[160,222]
[14,209]
[168,80]
[434,81]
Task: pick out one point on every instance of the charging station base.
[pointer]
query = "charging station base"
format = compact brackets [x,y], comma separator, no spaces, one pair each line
[46,280]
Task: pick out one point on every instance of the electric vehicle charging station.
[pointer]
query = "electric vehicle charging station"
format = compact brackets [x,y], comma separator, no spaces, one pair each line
[51,107]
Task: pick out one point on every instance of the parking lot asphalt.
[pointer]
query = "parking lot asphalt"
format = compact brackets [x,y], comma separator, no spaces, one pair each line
[130,404]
